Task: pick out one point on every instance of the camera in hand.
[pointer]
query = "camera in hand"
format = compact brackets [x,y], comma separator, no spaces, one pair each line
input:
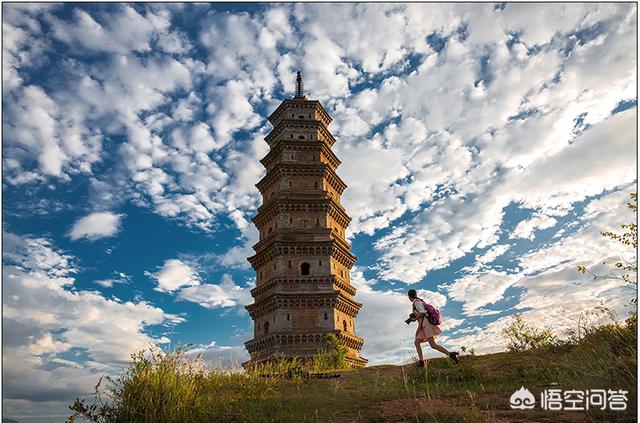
[412,317]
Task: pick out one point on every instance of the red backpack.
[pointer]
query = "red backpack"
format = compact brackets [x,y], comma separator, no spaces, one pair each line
[433,314]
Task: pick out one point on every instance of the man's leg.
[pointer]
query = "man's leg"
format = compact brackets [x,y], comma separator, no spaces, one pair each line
[419,349]
[432,343]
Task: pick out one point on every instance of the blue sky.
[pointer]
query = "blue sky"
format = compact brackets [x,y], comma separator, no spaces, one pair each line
[485,147]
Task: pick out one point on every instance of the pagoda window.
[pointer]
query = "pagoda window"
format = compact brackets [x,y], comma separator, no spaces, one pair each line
[305,269]
[300,116]
[316,185]
[320,263]
[289,264]
[300,137]
[266,328]
[288,317]
[291,220]
[344,325]
[270,230]
[326,317]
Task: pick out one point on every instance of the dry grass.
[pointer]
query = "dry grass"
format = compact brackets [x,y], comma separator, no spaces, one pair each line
[163,387]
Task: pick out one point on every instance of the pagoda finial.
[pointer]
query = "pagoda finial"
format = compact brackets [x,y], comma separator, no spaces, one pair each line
[299,86]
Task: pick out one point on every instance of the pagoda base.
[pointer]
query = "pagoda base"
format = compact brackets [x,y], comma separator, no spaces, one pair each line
[352,362]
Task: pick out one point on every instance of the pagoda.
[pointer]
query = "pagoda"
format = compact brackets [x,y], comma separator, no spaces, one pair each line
[302,259]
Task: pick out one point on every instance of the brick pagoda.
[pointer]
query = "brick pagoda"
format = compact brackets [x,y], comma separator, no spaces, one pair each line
[302,260]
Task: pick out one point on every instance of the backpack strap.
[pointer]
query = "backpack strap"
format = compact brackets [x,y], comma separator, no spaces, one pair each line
[421,319]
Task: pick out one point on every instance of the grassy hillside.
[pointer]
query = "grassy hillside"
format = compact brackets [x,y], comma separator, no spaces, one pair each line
[172,388]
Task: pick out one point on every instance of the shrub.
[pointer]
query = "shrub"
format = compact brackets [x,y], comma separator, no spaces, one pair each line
[521,336]
[162,386]
[605,353]
[332,357]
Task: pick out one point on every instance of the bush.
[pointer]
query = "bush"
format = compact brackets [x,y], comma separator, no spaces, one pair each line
[605,353]
[165,386]
[521,336]
[161,386]
[332,357]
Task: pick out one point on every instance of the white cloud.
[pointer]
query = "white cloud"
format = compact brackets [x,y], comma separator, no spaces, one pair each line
[124,30]
[173,275]
[95,226]
[553,292]
[224,294]
[224,357]
[174,42]
[37,254]
[183,279]
[491,254]
[237,256]
[35,126]
[23,47]
[480,290]
[526,228]
[118,278]
[449,131]
[43,318]
[453,226]
[447,230]
[583,168]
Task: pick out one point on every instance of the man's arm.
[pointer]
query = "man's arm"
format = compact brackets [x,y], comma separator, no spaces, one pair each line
[422,311]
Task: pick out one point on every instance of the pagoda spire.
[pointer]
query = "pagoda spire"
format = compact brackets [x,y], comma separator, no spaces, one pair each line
[299,86]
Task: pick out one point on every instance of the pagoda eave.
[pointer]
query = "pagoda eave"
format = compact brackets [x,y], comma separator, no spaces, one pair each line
[295,198]
[287,103]
[331,247]
[311,283]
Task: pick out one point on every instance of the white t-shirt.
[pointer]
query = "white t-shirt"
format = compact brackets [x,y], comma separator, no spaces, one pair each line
[419,306]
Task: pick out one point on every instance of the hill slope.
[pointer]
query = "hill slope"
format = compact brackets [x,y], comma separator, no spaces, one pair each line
[173,387]
[476,390]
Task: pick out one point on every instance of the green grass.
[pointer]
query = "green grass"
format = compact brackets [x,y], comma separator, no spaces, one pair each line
[175,388]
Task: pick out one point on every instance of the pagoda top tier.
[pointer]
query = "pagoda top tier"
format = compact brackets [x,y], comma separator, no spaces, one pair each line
[299,107]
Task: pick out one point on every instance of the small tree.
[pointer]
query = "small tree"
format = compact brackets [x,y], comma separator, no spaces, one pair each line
[337,350]
[333,356]
[622,269]
[521,336]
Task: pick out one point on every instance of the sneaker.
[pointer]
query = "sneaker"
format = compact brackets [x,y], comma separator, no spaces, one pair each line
[420,363]
[454,357]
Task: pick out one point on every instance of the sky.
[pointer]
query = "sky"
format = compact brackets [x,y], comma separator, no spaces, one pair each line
[485,146]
